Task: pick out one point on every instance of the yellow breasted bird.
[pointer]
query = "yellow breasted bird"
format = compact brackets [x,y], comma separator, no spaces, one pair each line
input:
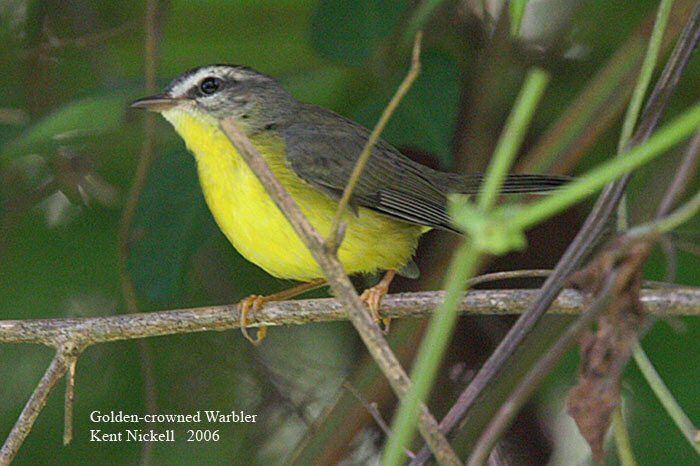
[312,151]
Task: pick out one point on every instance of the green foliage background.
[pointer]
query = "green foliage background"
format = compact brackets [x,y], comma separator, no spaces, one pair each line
[59,254]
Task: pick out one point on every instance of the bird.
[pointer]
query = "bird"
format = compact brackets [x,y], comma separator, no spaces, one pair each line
[311,150]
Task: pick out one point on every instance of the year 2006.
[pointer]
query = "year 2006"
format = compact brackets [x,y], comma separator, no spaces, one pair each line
[202,435]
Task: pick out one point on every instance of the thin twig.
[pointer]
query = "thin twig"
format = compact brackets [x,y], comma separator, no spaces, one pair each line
[671,221]
[670,76]
[685,173]
[508,275]
[422,13]
[671,257]
[539,371]
[371,408]
[127,220]
[644,77]
[334,237]
[585,239]
[68,402]
[681,180]
[685,425]
[31,410]
[341,287]
[640,89]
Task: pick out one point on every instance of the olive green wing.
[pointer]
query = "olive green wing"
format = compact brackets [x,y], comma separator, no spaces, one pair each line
[324,153]
[323,147]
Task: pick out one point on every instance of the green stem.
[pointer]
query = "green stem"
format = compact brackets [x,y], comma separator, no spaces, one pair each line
[587,184]
[463,266]
[517,11]
[645,73]
[622,439]
[671,221]
[640,89]
[512,137]
[432,349]
[690,432]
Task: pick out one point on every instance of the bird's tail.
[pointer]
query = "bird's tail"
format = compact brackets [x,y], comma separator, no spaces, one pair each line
[513,184]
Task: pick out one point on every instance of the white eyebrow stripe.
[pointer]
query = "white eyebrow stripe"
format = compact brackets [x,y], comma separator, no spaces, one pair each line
[180,89]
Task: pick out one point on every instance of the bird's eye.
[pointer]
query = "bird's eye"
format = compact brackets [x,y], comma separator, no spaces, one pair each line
[209,85]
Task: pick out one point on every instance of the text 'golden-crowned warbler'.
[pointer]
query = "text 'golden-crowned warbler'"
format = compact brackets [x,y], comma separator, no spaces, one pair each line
[312,151]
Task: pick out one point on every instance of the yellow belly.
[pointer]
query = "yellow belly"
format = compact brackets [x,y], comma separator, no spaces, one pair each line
[259,231]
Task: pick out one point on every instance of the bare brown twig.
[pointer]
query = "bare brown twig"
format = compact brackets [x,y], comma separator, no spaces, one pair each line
[334,236]
[127,220]
[89,331]
[371,408]
[68,403]
[65,355]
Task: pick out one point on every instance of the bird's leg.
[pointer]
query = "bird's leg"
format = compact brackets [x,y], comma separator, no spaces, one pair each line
[372,297]
[256,302]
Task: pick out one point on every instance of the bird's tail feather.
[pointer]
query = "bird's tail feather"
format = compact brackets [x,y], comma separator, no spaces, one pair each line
[513,184]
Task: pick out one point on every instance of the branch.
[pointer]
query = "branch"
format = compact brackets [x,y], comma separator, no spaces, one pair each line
[88,331]
[70,336]
[64,358]
[342,288]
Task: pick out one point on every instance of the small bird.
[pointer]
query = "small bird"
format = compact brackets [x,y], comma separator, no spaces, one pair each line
[312,151]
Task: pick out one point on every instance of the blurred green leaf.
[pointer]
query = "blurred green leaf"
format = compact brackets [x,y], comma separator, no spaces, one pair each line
[349,32]
[85,117]
[166,228]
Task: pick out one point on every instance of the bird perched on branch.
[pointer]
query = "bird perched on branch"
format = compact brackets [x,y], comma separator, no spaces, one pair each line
[312,151]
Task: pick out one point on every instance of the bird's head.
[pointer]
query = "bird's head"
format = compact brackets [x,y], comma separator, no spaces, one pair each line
[216,92]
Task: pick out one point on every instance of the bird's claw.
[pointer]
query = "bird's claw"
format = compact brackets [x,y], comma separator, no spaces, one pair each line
[251,303]
[372,297]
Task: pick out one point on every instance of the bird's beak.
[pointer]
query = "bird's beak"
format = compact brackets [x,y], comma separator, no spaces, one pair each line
[156,103]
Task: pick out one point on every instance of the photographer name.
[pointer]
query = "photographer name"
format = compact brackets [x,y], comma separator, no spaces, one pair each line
[132,435]
[209,416]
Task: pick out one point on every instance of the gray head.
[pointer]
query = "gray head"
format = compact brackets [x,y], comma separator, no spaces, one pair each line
[222,91]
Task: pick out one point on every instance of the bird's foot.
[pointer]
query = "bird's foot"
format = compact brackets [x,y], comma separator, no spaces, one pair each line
[252,303]
[372,297]
[256,302]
